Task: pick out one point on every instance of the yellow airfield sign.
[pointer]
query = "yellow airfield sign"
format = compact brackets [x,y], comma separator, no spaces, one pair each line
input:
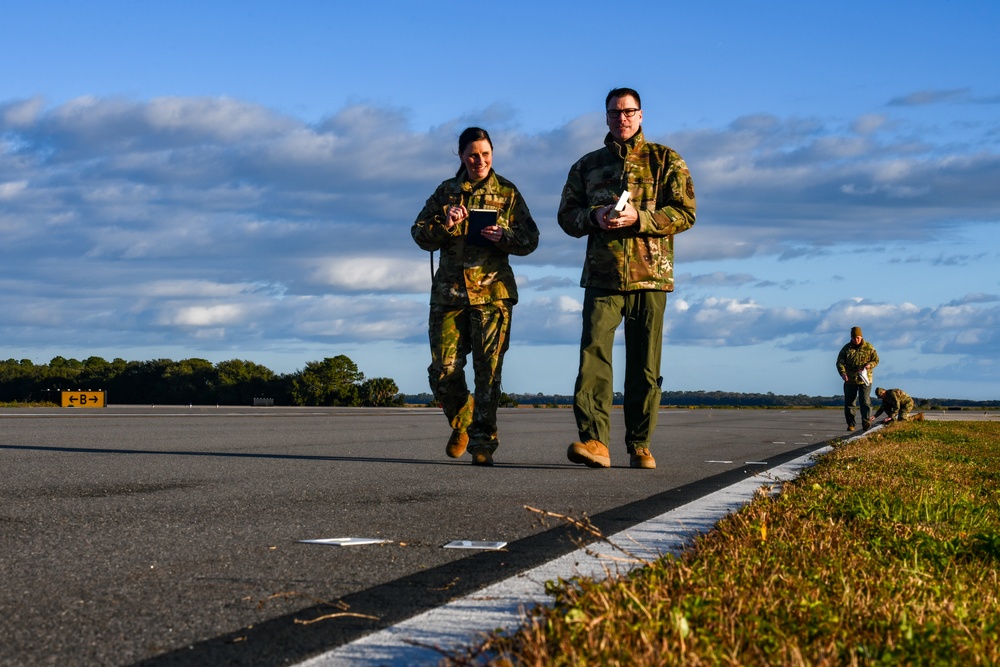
[85,399]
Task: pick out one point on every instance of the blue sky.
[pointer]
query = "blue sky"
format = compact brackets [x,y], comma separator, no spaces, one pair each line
[237,180]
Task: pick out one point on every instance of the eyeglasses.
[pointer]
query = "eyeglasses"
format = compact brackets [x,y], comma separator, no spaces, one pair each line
[616,113]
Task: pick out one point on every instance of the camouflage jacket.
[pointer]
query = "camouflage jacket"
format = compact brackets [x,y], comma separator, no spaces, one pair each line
[469,274]
[853,358]
[893,400]
[642,256]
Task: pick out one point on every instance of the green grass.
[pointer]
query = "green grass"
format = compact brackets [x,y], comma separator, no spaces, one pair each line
[884,553]
[28,404]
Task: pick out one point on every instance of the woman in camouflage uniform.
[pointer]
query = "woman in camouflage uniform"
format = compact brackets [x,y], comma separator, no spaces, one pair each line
[473,291]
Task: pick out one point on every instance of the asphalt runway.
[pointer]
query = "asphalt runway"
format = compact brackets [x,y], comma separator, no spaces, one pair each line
[171,536]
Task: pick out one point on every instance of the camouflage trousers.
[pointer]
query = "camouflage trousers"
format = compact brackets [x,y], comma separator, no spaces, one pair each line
[903,412]
[483,330]
[603,311]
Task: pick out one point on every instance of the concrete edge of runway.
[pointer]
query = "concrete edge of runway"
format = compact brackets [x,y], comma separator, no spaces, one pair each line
[420,640]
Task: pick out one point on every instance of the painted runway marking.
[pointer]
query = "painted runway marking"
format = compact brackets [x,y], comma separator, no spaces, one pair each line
[501,605]
[345,541]
[475,544]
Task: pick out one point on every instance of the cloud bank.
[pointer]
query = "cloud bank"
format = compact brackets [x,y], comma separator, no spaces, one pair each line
[229,229]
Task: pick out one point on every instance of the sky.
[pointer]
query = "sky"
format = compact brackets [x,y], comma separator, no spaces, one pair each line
[233,180]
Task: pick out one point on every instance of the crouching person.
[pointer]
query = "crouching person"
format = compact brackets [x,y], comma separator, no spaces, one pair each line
[896,404]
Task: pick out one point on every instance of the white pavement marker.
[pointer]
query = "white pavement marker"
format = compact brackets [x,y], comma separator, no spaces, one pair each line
[501,605]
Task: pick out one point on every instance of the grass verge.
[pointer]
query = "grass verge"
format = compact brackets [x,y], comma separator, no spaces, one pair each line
[885,552]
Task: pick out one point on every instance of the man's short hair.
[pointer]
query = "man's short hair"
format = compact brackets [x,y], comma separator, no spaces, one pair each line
[622,92]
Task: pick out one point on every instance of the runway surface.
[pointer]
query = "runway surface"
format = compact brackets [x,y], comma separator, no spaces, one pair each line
[162,536]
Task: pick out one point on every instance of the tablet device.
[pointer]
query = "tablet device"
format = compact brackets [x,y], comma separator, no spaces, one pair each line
[479,219]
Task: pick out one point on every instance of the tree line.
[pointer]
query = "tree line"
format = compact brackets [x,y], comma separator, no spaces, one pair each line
[699,399]
[332,381]
[723,399]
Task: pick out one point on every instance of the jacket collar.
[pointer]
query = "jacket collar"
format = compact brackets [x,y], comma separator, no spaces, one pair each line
[489,184]
[622,149]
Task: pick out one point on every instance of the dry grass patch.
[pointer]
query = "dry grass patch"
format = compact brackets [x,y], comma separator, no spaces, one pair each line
[885,552]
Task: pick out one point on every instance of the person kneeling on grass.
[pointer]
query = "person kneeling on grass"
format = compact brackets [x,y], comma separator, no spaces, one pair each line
[896,404]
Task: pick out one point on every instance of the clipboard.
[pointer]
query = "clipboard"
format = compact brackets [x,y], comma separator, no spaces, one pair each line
[480,219]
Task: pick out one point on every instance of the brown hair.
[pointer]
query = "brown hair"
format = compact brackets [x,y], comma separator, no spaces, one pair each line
[468,136]
[622,92]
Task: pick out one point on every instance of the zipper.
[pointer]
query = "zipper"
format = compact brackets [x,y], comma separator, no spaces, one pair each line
[627,241]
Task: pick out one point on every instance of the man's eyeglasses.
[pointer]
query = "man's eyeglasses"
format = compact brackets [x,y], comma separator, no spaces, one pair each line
[617,113]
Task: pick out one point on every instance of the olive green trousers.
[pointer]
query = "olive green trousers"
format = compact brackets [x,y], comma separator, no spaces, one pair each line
[603,312]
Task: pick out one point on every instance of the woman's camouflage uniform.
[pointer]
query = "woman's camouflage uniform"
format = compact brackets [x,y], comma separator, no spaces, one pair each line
[472,295]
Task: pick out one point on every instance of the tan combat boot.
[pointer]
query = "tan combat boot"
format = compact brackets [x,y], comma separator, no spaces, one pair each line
[641,458]
[457,443]
[593,454]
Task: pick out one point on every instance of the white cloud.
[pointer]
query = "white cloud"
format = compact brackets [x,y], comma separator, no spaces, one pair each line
[222,225]
[20,113]
[924,97]
[205,316]
[11,189]
[373,274]
[869,123]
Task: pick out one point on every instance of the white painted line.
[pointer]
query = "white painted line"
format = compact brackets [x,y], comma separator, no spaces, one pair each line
[345,541]
[718,461]
[502,605]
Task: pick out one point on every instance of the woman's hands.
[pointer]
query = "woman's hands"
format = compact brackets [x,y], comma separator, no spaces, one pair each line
[493,233]
[456,214]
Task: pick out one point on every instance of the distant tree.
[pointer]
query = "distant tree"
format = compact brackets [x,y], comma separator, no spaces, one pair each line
[380,392]
[18,380]
[190,381]
[141,382]
[61,373]
[333,381]
[238,382]
[506,401]
[98,373]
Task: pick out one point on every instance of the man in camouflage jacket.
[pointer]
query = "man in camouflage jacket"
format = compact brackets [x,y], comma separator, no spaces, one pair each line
[855,363]
[472,295]
[627,271]
[896,404]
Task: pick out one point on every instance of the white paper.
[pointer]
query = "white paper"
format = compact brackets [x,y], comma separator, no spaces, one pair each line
[863,374]
[475,544]
[345,541]
[620,206]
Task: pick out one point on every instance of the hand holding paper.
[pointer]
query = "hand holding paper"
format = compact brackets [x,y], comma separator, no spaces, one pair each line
[620,206]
